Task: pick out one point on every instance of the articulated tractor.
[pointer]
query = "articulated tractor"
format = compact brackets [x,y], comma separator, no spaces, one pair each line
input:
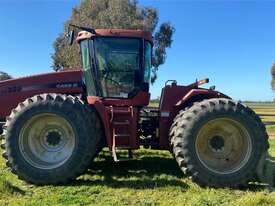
[55,124]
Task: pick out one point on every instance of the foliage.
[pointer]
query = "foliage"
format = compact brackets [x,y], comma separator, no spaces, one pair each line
[4,76]
[121,14]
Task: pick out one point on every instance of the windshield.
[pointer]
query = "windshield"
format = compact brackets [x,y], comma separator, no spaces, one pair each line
[112,67]
[118,61]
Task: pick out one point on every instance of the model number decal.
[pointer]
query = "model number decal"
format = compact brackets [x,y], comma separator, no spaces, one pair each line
[11,90]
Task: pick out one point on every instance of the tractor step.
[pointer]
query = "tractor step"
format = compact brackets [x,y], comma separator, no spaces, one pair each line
[121,147]
[122,123]
[130,155]
[122,135]
[124,160]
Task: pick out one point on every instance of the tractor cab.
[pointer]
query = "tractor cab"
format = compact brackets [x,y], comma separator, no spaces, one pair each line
[116,63]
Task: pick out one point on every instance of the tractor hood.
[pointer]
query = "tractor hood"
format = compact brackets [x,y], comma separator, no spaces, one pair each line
[14,91]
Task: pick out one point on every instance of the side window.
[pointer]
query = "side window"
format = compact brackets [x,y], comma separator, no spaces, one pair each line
[148,62]
[86,66]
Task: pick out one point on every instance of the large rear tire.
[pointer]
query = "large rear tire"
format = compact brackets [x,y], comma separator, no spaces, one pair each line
[50,139]
[219,143]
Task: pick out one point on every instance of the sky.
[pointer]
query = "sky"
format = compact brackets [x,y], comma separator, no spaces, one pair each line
[231,42]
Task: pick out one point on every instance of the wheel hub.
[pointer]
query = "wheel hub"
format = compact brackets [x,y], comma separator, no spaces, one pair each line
[53,138]
[217,143]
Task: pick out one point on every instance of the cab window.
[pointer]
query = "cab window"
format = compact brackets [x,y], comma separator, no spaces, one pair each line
[118,61]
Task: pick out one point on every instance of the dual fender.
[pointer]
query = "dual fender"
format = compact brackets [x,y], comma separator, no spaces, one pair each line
[199,94]
[186,100]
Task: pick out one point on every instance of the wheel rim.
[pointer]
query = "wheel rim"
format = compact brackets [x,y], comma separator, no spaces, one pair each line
[223,145]
[47,141]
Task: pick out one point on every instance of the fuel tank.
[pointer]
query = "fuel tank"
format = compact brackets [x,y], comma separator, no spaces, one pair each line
[14,91]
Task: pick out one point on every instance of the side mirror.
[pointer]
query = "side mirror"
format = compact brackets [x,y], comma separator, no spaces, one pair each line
[70,37]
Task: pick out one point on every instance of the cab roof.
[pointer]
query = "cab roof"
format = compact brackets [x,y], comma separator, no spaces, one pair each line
[115,33]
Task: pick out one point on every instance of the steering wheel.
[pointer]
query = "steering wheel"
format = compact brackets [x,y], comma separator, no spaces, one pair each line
[114,81]
[106,73]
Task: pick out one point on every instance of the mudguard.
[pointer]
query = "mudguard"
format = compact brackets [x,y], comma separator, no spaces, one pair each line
[199,94]
[175,98]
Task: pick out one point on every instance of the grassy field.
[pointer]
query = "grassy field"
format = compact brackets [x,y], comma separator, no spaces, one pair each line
[153,179]
[267,114]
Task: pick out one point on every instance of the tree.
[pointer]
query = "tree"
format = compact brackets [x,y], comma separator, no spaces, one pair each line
[121,14]
[273,77]
[4,76]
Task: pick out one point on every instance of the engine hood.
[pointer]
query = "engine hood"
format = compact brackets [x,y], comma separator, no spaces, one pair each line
[14,91]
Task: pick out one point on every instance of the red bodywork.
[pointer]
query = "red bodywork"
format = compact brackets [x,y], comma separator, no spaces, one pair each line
[175,98]
[14,91]
[120,117]
[115,33]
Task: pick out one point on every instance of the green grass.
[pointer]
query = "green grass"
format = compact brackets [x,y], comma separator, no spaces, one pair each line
[272,147]
[153,179]
[153,104]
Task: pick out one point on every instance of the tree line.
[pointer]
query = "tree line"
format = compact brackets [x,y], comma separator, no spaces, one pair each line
[4,76]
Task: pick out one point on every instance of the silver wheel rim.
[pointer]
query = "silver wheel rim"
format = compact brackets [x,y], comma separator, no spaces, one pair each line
[47,141]
[223,145]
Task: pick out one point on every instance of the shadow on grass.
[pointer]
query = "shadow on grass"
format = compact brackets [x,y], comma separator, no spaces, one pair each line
[7,188]
[145,173]
[267,174]
[148,172]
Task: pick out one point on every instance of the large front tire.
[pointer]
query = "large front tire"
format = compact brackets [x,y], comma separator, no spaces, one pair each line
[219,143]
[50,139]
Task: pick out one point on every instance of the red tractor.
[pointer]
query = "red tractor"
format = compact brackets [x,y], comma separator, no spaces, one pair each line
[59,122]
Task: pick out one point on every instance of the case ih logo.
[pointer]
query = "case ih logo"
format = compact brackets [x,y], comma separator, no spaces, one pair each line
[67,85]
